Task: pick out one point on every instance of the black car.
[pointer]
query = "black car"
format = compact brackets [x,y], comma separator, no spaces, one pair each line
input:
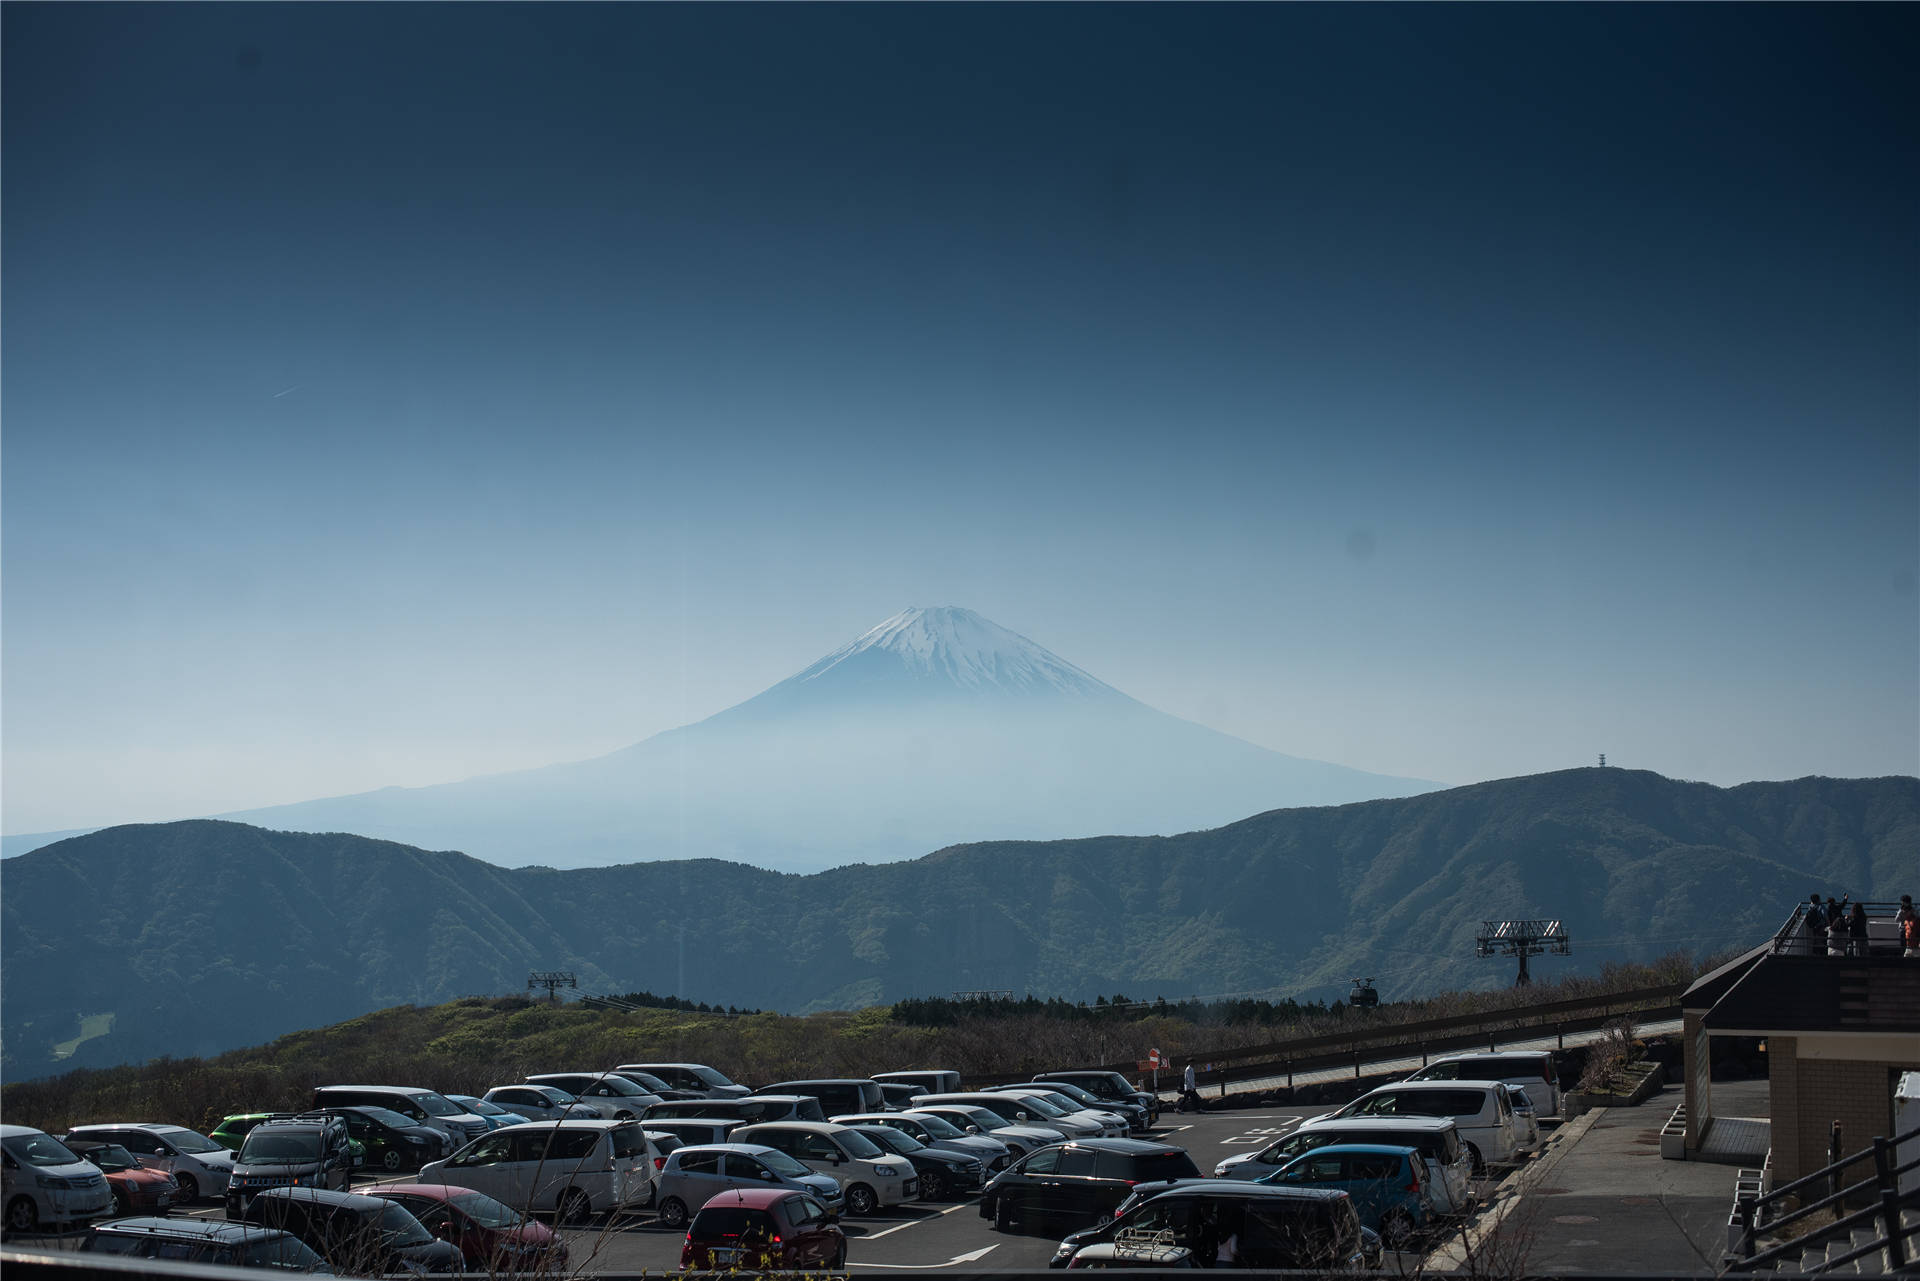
[1108,1087]
[203,1241]
[309,1151]
[361,1235]
[1082,1181]
[1232,1223]
[389,1140]
[942,1174]
[1139,1120]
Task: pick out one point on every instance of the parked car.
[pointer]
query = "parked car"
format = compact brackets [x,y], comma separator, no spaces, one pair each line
[1310,1229]
[608,1093]
[695,1078]
[307,1152]
[1062,1113]
[654,1085]
[931,1080]
[751,1110]
[694,1130]
[1079,1182]
[43,1183]
[1526,1121]
[1108,1087]
[199,1165]
[491,1237]
[355,1233]
[1449,1166]
[1020,1139]
[846,1094]
[209,1241]
[1480,1108]
[764,1230]
[389,1141]
[942,1175]
[492,1113]
[540,1103]
[422,1107]
[232,1130]
[575,1169]
[1386,1183]
[135,1188]
[938,1133]
[1534,1071]
[867,1176]
[695,1175]
[899,1094]
[1011,1111]
[1134,1114]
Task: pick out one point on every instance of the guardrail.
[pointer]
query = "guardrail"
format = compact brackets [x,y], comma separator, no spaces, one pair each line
[1755,1214]
[1422,1036]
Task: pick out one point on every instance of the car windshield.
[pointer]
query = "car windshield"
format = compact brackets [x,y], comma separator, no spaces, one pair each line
[986,1120]
[484,1108]
[891,1139]
[621,1086]
[782,1164]
[436,1104]
[387,1117]
[111,1157]
[1062,1102]
[1074,1092]
[484,1210]
[651,1084]
[1034,1103]
[858,1145]
[400,1227]
[558,1097]
[265,1147]
[190,1140]
[711,1077]
[939,1127]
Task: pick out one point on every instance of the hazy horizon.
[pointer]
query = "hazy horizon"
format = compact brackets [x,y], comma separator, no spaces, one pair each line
[396,396]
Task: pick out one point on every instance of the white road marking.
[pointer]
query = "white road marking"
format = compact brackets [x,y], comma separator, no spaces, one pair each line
[911,1223]
[971,1256]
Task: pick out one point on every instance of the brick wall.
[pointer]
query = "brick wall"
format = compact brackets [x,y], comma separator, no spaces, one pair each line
[1808,1095]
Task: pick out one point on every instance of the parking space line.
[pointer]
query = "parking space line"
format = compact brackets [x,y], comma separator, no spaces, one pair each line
[914,1223]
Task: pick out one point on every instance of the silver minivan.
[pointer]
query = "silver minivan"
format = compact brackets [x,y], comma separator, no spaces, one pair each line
[1531,1070]
[1480,1108]
[574,1168]
[692,1175]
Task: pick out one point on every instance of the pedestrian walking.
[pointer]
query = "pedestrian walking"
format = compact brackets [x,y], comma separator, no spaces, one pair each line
[1189,1091]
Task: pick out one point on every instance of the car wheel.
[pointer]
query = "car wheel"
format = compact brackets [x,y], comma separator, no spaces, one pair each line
[574,1207]
[1397,1230]
[22,1214]
[839,1263]
[391,1159]
[1479,1165]
[673,1213]
[933,1185]
[861,1200]
[1003,1216]
[189,1188]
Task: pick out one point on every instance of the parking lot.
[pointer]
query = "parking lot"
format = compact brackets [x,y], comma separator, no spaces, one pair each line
[916,1236]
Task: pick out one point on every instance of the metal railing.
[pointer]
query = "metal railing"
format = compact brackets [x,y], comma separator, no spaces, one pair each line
[1885,1180]
[1792,939]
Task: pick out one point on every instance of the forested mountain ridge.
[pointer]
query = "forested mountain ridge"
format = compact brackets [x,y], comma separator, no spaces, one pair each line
[201,936]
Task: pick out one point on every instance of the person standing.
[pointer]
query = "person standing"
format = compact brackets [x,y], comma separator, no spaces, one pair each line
[1857,930]
[1909,927]
[1189,1094]
[1815,926]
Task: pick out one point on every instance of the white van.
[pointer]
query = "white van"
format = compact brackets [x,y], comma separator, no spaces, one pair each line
[45,1183]
[1531,1070]
[574,1168]
[1479,1108]
[1436,1138]
[869,1177]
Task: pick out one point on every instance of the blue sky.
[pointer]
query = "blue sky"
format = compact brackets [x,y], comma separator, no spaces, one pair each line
[396,394]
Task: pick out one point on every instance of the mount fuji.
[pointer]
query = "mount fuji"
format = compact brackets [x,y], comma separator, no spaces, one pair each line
[934,728]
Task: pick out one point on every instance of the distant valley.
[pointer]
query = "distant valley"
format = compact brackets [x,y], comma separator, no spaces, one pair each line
[202,936]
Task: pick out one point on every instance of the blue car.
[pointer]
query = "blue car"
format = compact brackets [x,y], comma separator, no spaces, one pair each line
[492,1113]
[1387,1184]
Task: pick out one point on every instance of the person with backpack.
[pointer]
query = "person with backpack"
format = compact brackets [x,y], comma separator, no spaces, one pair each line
[1814,924]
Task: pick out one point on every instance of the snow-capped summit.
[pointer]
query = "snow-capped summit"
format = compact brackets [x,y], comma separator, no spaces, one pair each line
[957,646]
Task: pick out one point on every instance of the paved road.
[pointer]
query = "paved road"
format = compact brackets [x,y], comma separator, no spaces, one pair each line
[920,1235]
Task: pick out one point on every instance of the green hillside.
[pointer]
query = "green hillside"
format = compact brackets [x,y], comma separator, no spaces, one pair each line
[201,936]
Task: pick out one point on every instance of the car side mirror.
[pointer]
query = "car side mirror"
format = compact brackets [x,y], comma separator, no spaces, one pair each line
[1019,1116]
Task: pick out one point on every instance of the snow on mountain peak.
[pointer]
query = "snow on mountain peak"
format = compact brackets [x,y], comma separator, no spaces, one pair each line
[958,646]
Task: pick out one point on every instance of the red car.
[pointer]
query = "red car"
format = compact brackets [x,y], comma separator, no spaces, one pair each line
[492,1237]
[136,1189]
[764,1230]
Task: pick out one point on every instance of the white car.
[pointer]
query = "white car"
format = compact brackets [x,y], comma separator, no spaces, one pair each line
[573,1168]
[1480,1109]
[607,1093]
[539,1102]
[1112,1124]
[868,1177]
[1531,1070]
[968,1119]
[199,1165]
[42,1183]
[936,1133]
